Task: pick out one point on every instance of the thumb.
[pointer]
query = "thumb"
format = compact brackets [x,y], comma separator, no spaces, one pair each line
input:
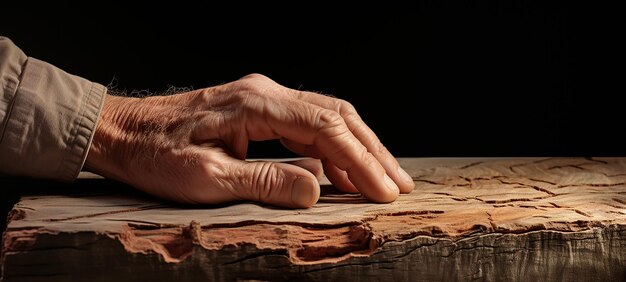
[274,183]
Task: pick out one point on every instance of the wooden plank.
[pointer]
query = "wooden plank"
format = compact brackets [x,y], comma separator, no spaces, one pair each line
[540,219]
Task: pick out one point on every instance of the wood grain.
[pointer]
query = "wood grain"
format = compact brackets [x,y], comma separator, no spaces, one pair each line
[546,219]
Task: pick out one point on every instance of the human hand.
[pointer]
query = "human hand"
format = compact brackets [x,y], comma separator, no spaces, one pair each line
[191,147]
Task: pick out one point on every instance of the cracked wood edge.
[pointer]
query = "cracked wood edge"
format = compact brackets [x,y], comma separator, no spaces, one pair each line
[454,200]
[596,254]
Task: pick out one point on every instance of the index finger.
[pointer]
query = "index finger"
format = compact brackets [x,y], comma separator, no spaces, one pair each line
[364,134]
[326,129]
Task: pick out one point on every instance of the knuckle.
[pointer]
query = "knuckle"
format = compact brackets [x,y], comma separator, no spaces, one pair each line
[266,181]
[253,88]
[345,107]
[256,83]
[246,93]
[255,76]
[248,86]
[329,118]
[211,168]
[330,124]
[349,113]
[368,159]
[380,149]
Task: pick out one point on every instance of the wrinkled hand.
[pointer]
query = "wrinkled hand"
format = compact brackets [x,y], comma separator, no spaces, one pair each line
[191,147]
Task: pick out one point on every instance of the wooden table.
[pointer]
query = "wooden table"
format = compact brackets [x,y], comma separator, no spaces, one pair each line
[540,219]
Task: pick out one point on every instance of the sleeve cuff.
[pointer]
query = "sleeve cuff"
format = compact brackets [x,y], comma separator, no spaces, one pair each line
[85,129]
[51,123]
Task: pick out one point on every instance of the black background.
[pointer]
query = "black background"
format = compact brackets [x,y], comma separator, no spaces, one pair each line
[463,79]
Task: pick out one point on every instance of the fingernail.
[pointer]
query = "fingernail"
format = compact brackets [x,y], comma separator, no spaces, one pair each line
[391,185]
[303,193]
[405,176]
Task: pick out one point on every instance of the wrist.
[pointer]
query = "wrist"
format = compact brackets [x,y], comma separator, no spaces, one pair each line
[109,132]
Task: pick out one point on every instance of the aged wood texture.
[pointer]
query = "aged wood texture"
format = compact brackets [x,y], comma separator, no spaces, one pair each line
[543,219]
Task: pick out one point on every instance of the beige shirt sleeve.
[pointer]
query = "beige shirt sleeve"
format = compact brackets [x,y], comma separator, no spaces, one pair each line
[47,117]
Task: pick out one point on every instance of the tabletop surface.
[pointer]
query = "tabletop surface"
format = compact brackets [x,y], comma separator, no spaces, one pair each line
[453,198]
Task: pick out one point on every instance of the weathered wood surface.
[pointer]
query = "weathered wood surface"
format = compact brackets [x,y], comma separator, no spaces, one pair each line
[544,219]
